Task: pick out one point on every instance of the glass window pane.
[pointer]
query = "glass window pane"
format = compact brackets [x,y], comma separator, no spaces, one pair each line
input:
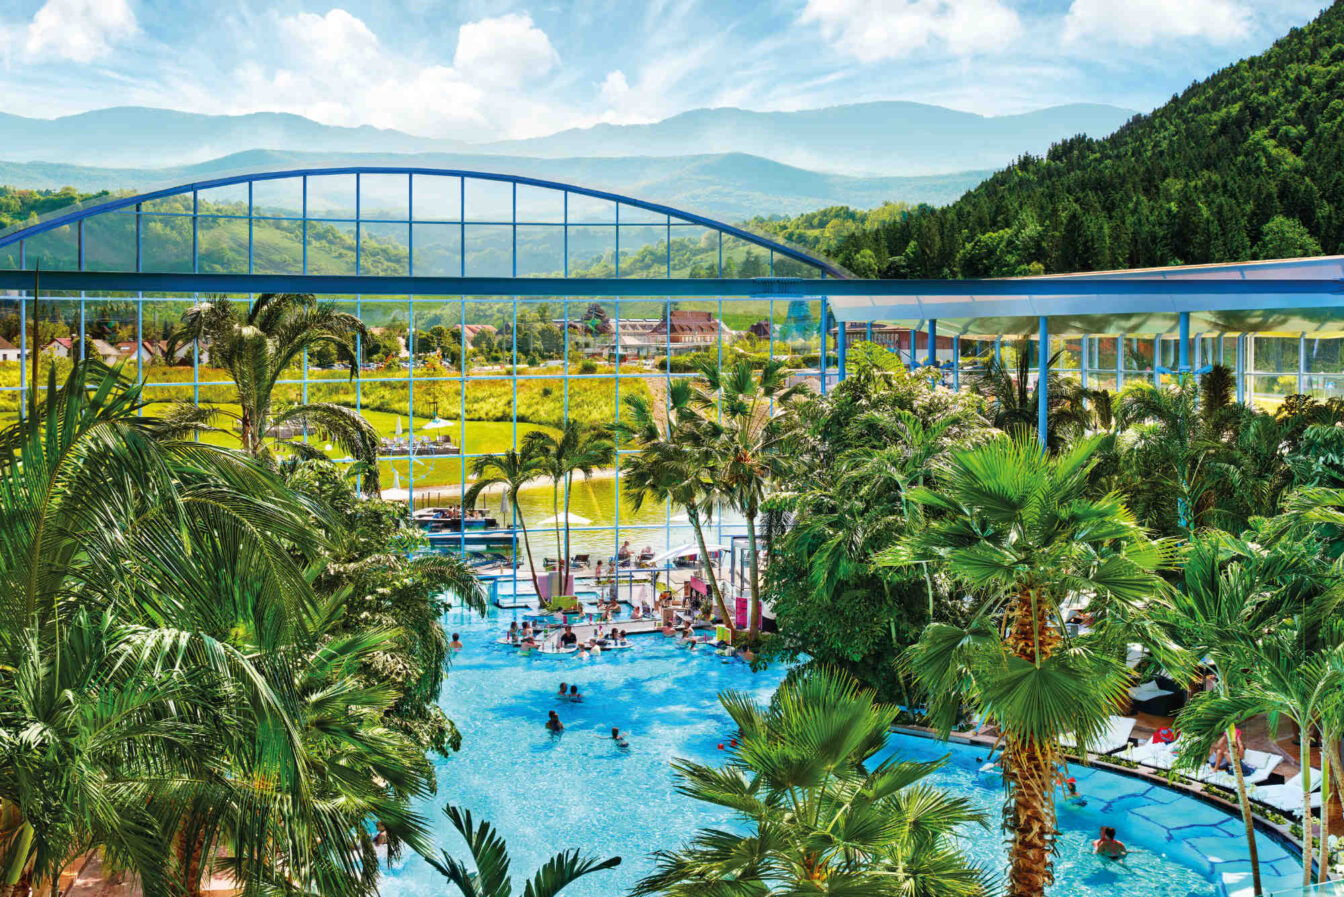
[438,250]
[538,205]
[277,247]
[383,196]
[109,243]
[54,250]
[541,251]
[227,200]
[490,201]
[383,248]
[281,197]
[591,251]
[744,259]
[222,245]
[331,248]
[1325,355]
[489,249]
[637,215]
[643,251]
[437,197]
[165,243]
[584,209]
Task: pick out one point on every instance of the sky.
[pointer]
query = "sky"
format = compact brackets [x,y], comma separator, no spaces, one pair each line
[479,70]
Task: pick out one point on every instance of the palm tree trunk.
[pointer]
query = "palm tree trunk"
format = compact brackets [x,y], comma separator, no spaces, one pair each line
[555,511]
[16,881]
[564,577]
[754,621]
[1325,812]
[1307,821]
[1029,765]
[527,547]
[693,513]
[1244,802]
[189,849]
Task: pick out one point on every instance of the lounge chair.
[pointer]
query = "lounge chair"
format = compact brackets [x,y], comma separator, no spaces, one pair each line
[1150,697]
[1154,754]
[1287,798]
[1113,739]
[1262,765]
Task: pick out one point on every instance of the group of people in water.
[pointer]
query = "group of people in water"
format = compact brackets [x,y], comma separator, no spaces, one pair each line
[569,692]
[1107,844]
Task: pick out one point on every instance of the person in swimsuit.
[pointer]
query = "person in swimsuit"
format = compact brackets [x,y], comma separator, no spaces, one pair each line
[455,644]
[574,694]
[553,724]
[568,639]
[617,737]
[1107,846]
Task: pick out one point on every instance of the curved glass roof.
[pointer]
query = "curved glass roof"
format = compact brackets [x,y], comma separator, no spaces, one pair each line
[384,220]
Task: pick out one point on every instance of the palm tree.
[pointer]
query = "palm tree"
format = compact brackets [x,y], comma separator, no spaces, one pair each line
[112,546]
[513,469]
[1013,404]
[257,346]
[1018,528]
[491,857]
[576,449]
[744,444]
[813,816]
[670,467]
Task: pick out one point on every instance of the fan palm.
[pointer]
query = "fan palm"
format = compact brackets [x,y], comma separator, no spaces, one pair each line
[1017,528]
[512,469]
[576,449]
[670,467]
[491,857]
[257,346]
[744,444]
[816,817]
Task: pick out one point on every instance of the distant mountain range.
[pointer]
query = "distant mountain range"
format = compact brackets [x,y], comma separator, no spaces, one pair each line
[887,139]
[729,186]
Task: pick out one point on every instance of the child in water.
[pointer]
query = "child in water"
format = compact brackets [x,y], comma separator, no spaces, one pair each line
[617,737]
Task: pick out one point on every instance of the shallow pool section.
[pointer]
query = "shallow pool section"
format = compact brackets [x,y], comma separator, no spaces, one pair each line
[580,790]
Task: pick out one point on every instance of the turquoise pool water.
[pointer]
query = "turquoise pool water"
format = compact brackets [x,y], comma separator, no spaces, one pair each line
[579,790]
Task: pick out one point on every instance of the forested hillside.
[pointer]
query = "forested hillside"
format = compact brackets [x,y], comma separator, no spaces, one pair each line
[1246,164]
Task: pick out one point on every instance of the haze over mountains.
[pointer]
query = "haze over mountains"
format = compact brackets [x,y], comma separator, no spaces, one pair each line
[726,162]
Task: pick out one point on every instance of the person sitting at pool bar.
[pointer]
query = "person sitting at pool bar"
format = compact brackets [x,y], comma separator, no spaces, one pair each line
[568,639]
[512,634]
[1107,846]
[553,724]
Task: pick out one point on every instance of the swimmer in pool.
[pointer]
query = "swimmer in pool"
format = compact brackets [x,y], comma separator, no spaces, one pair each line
[574,695]
[617,737]
[1071,795]
[1107,845]
[455,644]
[553,724]
[564,690]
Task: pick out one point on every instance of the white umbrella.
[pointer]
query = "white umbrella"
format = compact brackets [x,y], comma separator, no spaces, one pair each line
[439,423]
[572,519]
[398,426]
[683,551]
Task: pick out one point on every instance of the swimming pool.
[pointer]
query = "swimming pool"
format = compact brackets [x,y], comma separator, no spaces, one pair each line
[545,795]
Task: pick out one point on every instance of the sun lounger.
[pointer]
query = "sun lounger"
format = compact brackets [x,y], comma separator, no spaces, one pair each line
[1113,739]
[1155,755]
[1287,798]
[1262,766]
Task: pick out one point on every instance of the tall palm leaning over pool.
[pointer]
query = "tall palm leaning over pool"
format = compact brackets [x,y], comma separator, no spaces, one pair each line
[576,449]
[512,469]
[1018,528]
[258,345]
[744,443]
[670,466]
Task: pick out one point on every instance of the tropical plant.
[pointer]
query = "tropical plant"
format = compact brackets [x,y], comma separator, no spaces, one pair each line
[671,466]
[576,449]
[491,857]
[513,469]
[743,441]
[257,345]
[814,815]
[1013,398]
[1018,529]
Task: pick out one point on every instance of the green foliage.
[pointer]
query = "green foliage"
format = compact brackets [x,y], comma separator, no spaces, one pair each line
[1243,164]
[812,817]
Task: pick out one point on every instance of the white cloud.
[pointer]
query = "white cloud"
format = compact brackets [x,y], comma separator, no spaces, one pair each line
[506,50]
[615,88]
[877,30]
[78,30]
[1142,23]
[334,69]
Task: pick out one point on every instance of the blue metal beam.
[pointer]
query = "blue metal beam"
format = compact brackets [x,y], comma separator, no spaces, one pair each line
[1016,297]
[1043,382]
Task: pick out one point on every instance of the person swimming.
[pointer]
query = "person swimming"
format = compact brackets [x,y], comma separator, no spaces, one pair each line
[574,695]
[564,690]
[618,738]
[1071,795]
[455,644]
[553,724]
[1107,845]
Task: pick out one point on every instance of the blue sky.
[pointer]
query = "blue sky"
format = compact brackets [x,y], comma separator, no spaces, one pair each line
[483,69]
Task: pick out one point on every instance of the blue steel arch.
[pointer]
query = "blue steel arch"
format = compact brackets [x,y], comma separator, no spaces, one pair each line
[58,219]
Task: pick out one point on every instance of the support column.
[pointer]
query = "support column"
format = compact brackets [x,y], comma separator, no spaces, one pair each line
[1183,350]
[1082,360]
[932,357]
[1157,359]
[1043,382]
[842,347]
[1119,362]
[956,361]
[1241,368]
[821,358]
[1302,362]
